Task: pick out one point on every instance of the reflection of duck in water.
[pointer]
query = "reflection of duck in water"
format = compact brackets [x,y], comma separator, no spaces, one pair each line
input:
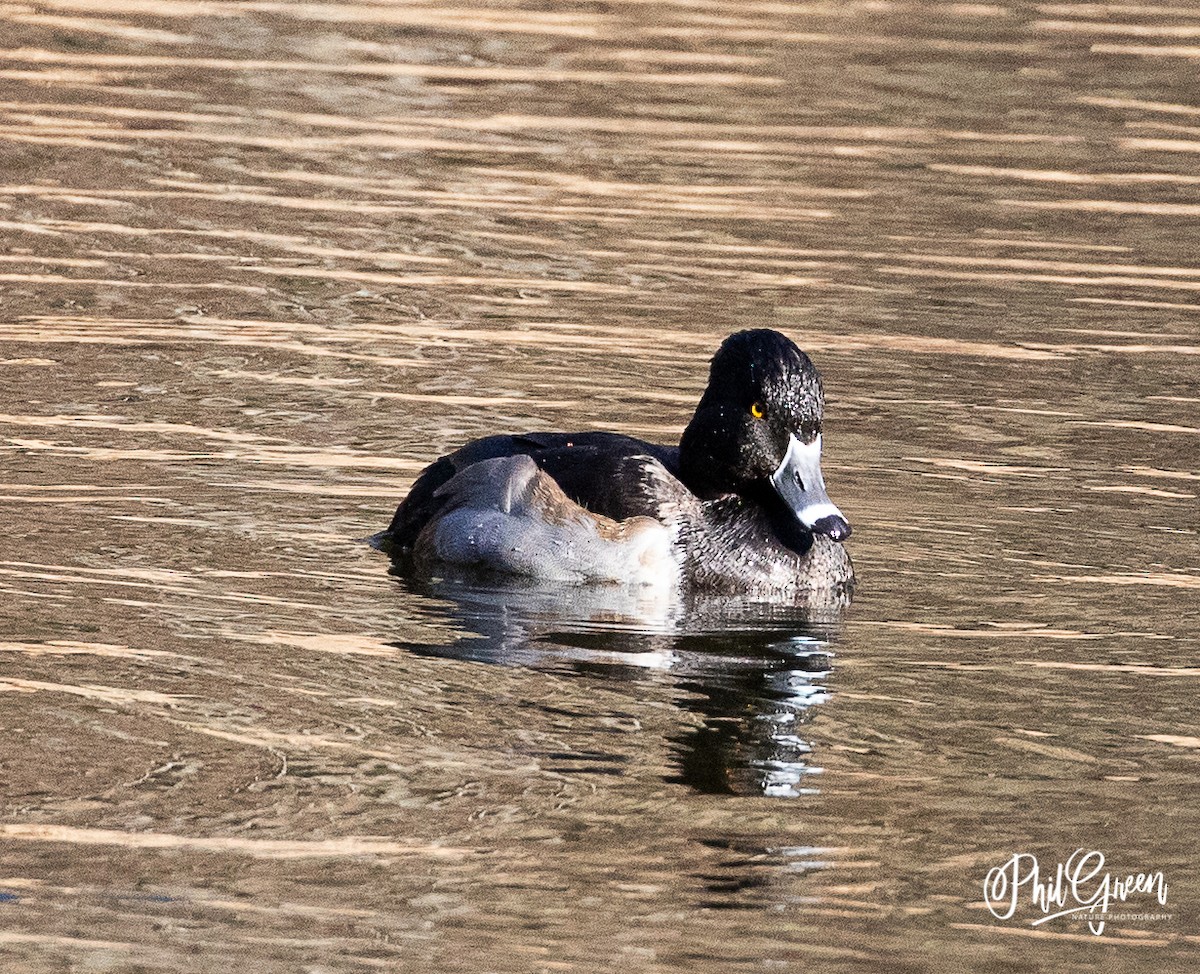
[750,671]
[738,506]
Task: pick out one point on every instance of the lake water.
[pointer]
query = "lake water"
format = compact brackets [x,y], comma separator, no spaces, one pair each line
[264,261]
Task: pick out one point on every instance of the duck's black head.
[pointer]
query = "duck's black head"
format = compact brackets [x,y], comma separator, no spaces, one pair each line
[757,431]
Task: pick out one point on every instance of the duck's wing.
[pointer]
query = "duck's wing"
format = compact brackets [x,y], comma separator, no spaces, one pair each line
[607,473]
[618,484]
[508,515]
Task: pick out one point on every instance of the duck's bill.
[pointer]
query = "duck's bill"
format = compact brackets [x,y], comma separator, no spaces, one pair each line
[799,482]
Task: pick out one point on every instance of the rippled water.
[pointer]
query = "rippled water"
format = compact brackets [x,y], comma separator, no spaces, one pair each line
[264,261]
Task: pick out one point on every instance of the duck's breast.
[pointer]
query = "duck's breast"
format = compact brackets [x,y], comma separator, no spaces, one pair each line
[734,547]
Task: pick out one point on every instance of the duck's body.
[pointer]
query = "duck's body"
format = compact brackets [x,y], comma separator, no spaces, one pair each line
[719,512]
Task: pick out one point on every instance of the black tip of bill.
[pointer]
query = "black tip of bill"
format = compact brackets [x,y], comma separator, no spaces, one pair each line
[832,526]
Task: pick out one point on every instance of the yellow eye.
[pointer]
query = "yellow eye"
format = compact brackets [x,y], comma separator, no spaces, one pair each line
[757,410]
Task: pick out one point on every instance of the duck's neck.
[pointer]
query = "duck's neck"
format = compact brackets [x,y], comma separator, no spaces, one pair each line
[732,519]
[697,477]
[699,468]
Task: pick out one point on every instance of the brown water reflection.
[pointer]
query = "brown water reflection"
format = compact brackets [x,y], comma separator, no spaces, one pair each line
[263,261]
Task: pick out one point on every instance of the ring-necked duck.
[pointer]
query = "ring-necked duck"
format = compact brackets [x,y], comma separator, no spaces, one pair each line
[738,506]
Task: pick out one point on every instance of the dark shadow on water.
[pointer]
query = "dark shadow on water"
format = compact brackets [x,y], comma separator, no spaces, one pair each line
[751,671]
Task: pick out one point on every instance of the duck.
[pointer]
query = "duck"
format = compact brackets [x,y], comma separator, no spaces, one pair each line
[739,506]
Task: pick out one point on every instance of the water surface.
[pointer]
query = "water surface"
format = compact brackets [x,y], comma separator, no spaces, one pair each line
[264,261]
